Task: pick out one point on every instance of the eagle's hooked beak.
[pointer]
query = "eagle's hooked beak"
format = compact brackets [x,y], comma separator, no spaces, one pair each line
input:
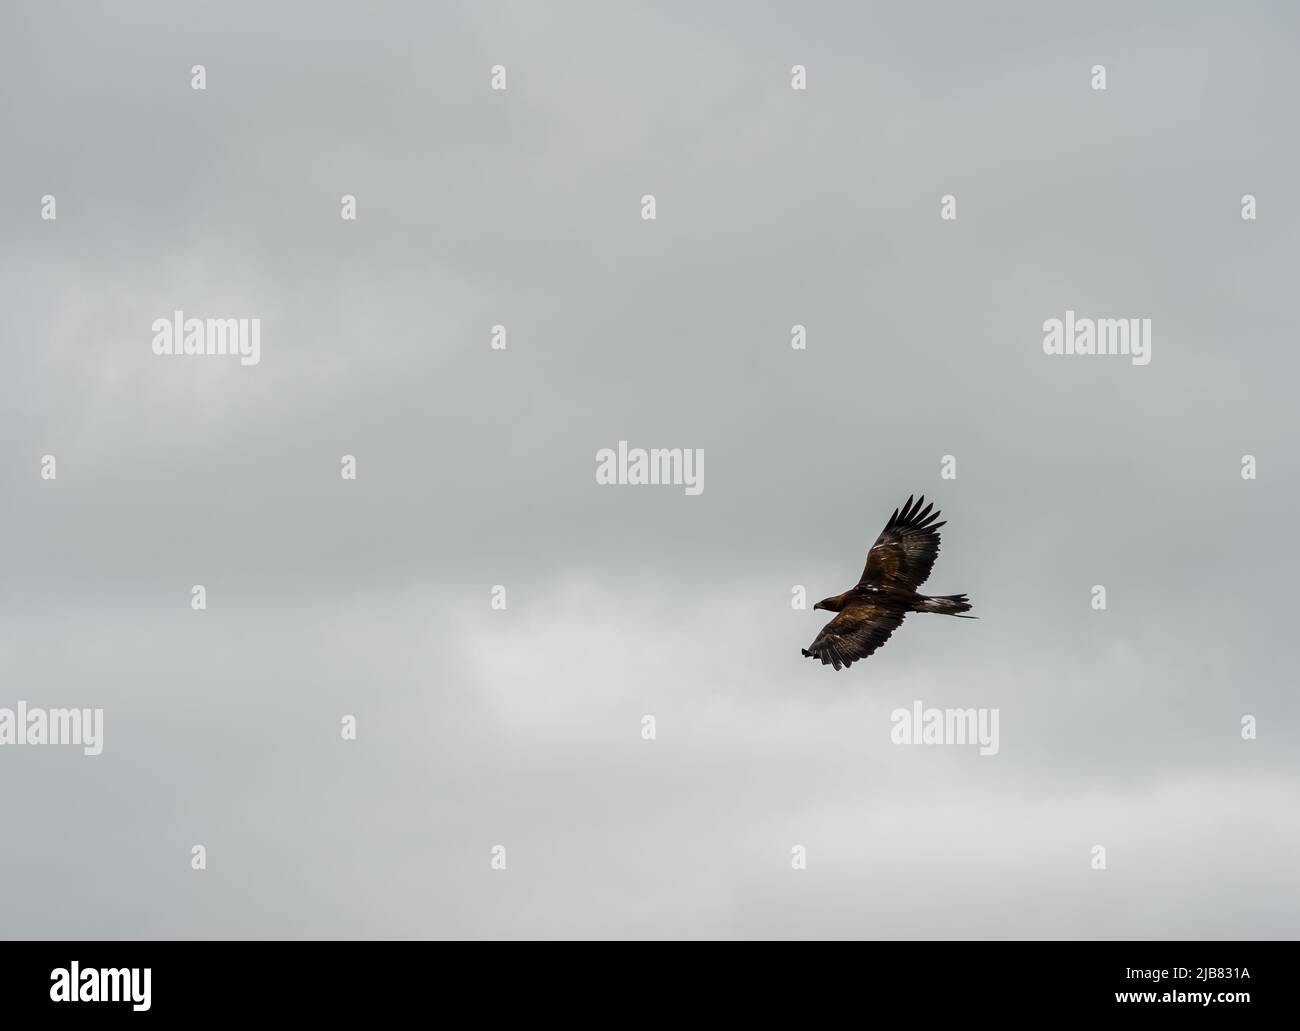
[819,605]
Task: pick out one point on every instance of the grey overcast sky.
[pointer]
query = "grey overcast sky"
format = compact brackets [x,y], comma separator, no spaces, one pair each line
[522,727]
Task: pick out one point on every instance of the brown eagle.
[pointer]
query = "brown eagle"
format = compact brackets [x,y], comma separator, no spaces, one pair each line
[897,564]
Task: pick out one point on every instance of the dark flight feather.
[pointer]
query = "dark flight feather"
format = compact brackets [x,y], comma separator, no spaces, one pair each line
[855,633]
[904,553]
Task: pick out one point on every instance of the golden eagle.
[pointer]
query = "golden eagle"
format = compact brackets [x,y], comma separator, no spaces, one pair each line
[897,564]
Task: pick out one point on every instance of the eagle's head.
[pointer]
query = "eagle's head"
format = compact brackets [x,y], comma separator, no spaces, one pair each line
[832,604]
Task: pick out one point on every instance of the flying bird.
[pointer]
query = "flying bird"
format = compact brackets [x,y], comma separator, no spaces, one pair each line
[897,564]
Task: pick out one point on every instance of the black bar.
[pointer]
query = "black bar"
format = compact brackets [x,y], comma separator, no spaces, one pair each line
[618,982]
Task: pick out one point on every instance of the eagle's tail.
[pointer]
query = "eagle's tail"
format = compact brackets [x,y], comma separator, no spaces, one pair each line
[947,604]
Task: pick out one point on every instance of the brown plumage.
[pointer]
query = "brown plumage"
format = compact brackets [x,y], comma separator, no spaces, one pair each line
[897,564]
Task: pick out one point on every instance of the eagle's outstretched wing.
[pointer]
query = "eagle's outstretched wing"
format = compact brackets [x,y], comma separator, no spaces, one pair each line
[904,553]
[855,633]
